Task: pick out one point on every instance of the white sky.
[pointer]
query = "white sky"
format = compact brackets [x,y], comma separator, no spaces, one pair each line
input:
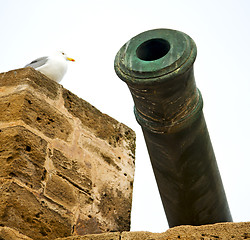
[92,32]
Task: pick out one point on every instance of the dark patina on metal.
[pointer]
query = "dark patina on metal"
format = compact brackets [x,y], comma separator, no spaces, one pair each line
[157,66]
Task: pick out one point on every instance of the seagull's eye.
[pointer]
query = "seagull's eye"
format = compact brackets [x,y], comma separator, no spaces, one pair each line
[63,53]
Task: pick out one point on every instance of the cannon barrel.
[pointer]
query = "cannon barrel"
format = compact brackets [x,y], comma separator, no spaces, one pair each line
[157,66]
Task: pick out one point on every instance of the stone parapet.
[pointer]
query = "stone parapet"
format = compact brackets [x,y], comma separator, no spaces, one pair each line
[220,231]
[65,167]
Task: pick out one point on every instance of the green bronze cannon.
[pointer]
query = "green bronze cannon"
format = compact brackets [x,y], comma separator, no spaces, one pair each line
[157,66]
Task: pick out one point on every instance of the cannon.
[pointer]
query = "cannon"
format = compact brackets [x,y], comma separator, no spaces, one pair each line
[157,66]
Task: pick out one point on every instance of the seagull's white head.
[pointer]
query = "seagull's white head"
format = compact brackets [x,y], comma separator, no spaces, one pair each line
[64,55]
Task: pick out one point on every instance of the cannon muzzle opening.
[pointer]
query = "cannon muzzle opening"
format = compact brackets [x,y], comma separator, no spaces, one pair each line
[153,49]
[157,66]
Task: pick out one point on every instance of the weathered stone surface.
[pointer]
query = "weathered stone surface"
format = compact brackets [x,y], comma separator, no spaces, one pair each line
[26,211]
[70,169]
[7,233]
[65,167]
[103,236]
[61,191]
[102,125]
[22,156]
[223,231]
[34,112]
[16,80]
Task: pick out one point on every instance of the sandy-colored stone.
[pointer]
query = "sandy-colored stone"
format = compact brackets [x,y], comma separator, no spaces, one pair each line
[65,167]
[223,231]
[23,210]
[34,112]
[70,169]
[61,191]
[22,155]
[18,79]
[102,125]
[7,233]
[103,236]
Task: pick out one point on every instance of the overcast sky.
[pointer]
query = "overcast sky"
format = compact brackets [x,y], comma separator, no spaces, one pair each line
[92,32]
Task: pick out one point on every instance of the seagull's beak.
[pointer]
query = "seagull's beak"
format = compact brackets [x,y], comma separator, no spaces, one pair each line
[70,59]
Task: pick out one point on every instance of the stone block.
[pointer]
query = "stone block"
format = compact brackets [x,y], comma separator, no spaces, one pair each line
[7,233]
[102,125]
[65,167]
[103,236]
[26,211]
[78,174]
[61,191]
[34,112]
[18,79]
[22,155]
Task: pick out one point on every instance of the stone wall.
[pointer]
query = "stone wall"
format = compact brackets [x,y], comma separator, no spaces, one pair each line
[65,167]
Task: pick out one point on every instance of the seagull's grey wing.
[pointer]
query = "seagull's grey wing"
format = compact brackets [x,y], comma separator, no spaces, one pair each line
[37,62]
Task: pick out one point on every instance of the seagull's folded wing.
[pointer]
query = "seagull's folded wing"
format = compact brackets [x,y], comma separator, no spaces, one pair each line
[37,62]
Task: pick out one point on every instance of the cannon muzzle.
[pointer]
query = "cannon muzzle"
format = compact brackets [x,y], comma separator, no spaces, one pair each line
[157,66]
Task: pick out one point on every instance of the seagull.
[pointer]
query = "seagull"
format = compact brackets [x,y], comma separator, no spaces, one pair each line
[54,66]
